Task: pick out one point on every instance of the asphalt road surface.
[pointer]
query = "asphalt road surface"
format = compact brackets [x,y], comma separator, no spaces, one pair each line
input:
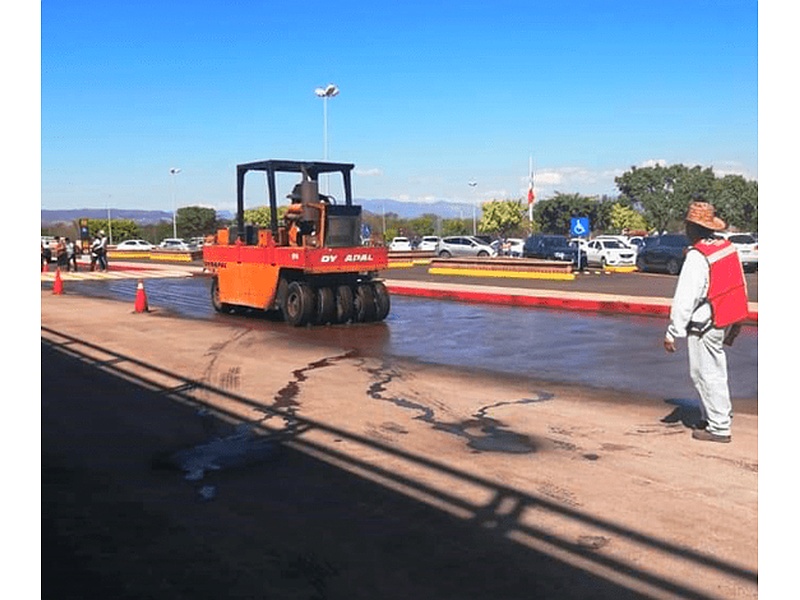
[616,352]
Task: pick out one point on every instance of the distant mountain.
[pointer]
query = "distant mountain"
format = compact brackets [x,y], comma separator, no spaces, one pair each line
[142,217]
[405,210]
[411,210]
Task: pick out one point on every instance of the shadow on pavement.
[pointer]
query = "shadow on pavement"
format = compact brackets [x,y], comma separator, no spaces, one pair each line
[122,517]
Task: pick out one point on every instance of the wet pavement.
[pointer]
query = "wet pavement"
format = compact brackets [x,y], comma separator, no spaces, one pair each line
[617,352]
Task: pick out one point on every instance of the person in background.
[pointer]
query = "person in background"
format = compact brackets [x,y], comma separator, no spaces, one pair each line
[94,252]
[102,256]
[74,250]
[709,304]
[61,252]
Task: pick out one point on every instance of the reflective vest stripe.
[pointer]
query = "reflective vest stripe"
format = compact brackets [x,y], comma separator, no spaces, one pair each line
[721,253]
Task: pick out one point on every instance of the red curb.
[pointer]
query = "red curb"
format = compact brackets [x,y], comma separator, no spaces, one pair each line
[511,299]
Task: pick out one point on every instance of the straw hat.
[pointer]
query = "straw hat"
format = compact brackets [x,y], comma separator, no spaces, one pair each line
[703,214]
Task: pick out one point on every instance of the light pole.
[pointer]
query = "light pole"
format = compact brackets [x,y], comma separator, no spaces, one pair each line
[173,171]
[472,184]
[327,92]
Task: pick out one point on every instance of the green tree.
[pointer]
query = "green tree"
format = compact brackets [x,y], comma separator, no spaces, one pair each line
[259,215]
[664,193]
[195,221]
[423,225]
[736,202]
[501,217]
[554,215]
[117,230]
[624,217]
[456,227]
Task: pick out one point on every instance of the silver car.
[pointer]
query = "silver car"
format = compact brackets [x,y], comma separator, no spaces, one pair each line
[463,245]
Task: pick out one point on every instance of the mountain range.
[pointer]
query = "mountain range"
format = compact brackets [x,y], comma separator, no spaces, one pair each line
[405,210]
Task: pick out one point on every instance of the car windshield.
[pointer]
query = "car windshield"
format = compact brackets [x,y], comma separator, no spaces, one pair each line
[741,239]
[612,244]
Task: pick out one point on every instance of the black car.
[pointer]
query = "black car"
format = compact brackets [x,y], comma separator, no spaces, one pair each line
[663,253]
[552,247]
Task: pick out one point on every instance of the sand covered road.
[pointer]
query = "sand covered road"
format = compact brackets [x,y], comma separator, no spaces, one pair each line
[196,459]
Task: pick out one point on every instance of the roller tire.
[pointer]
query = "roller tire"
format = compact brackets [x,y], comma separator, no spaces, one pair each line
[364,308]
[383,303]
[298,306]
[344,304]
[325,307]
[220,307]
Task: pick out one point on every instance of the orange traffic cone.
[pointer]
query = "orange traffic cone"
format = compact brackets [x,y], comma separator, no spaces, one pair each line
[141,299]
[58,286]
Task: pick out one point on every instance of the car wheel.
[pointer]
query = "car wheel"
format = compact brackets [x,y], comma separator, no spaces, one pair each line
[602,262]
[483,254]
[444,254]
[673,268]
[640,264]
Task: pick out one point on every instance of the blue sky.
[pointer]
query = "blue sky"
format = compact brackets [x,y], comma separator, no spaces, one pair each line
[433,95]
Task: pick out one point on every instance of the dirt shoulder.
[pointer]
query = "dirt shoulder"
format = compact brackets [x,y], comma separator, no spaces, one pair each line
[189,459]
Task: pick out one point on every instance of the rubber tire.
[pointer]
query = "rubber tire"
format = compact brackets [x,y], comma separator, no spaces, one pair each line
[483,254]
[444,254]
[603,263]
[298,307]
[325,307]
[344,304]
[673,268]
[364,309]
[640,264]
[383,303]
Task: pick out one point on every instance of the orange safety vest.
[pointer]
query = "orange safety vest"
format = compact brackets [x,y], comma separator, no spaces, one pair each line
[727,289]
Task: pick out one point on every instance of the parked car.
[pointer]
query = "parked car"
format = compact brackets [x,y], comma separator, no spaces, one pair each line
[747,247]
[604,252]
[400,244]
[513,247]
[664,252]
[636,241]
[428,243]
[174,244]
[134,245]
[463,245]
[552,247]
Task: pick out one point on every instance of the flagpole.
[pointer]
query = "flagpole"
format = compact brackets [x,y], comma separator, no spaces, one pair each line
[530,188]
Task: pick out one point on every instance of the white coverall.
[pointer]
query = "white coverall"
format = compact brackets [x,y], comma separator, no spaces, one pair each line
[690,316]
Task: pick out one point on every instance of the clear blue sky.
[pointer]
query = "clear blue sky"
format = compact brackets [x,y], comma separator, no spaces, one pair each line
[433,95]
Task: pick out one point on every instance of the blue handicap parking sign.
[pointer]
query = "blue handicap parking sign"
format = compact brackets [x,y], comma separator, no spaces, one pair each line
[579,226]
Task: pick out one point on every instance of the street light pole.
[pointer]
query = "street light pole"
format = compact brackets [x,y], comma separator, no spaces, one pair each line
[327,92]
[173,171]
[472,184]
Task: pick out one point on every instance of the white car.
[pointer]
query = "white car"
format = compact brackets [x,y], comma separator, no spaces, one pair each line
[747,247]
[400,244]
[174,244]
[608,252]
[134,246]
[428,243]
